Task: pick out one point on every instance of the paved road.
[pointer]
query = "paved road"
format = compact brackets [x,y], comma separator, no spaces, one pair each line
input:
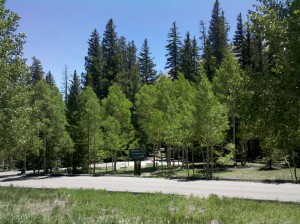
[250,190]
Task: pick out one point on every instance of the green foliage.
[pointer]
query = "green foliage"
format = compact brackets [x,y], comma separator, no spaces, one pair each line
[217,33]
[74,159]
[226,83]
[90,118]
[189,64]
[36,71]
[50,79]
[227,155]
[211,116]
[129,79]
[118,130]
[184,107]
[18,130]
[52,123]
[272,96]
[147,65]
[211,122]
[94,65]
[110,50]
[173,48]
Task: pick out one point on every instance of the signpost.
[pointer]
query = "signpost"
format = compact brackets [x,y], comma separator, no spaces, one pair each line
[137,155]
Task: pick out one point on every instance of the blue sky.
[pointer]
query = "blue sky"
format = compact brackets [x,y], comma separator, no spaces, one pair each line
[58,30]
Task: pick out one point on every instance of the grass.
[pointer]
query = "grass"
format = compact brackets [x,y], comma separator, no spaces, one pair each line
[63,206]
[251,171]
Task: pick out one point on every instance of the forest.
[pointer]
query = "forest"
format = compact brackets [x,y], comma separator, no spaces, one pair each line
[220,101]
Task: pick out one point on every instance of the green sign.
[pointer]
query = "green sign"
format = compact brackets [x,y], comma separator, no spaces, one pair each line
[137,154]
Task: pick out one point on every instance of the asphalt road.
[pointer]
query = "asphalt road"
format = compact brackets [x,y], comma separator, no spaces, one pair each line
[250,190]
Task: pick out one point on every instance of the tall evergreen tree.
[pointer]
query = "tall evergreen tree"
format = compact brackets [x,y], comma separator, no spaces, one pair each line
[65,84]
[217,33]
[247,52]
[195,56]
[94,64]
[50,79]
[110,49]
[189,58]
[72,102]
[128,76]
[147,65]
[208,59]
[36,71]
[173,48]
[238,40]
[73,160]
[132,71]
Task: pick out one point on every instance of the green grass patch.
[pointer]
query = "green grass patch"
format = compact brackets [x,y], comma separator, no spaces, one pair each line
[23,205]
[253,172]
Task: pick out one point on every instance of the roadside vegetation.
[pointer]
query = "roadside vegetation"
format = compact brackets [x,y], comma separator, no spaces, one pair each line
[220,101]
[22,205]
[248,172]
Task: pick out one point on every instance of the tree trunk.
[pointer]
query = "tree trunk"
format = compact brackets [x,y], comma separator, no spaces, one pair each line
[45,154]
[178,157]
[234,139]
[295,167]
[89,150]
[207,161]
[187,160]
[193,162]
[291,172]
[182,158]
[242,153]
[154,158]
[115,162]
[94,151]
[24,165]
[173,153]
[161,160]
[168,155]
[212,161]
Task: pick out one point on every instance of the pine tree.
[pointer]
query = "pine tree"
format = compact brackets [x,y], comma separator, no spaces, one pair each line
[173,55]
[132,69]
[128,77]
[217,33]
[123,76]
[94,64]
[50,79]
[147,65]
[195,56]
[74,159]
[36,71]
[72,102]
[111,59]
[189,58]
[65,84]
[238,40]
[208,59]
[247,52]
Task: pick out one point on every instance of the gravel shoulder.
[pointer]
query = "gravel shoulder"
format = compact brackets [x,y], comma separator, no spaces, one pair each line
[286,192]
